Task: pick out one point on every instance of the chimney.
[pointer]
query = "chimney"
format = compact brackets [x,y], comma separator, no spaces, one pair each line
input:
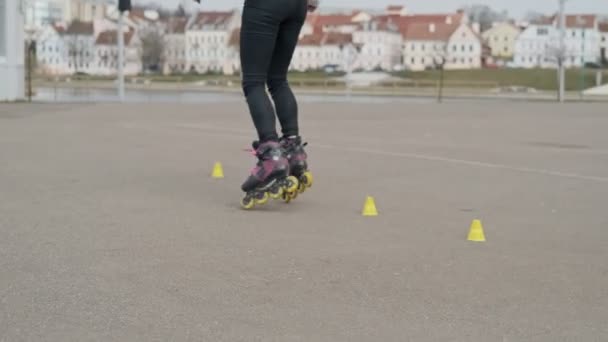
[448,20]
[432,27]
[476,27]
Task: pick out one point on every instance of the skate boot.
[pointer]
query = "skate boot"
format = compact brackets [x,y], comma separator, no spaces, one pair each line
[269,178]
[298,164]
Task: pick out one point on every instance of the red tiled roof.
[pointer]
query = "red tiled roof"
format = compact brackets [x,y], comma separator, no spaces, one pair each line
[581,21]
[430,31]
[111,37]
[177,25]
[403,22]
[80,28]
[321,20]
[217,19]
[572,21]
[328,38]
[603,27]
[59,29]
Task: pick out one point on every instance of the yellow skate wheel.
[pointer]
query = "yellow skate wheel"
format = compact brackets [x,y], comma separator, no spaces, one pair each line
[262,199]
[287,197]
[307,179]
[276,192]
[247,203]
[292,184]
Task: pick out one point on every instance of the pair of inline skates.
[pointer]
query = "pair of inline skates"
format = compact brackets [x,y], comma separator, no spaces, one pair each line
[281,172]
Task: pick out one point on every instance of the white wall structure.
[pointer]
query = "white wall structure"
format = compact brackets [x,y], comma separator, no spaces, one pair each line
[381,45]
[12,35]
[604,42]
[79,41]
[539,44]
[43,12]
[464,49]
[533,49]
[426,44]
[175,46]
[323,49]
[51,54]
[207,40]
[106,54]
[429,44]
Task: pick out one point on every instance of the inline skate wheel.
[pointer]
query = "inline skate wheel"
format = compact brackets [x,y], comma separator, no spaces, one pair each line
[276,191]
[261,198]
[307,179]
[291,184]
[247,203]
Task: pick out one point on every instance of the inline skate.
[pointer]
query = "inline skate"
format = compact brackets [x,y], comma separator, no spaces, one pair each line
[270,178]
[298,165]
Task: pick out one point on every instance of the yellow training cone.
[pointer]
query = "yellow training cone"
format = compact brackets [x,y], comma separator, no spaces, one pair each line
[218,171]
[369,209]
[476,232]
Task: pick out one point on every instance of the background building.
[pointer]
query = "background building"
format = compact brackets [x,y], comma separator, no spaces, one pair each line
[11,50]
[501,39]
[43,12]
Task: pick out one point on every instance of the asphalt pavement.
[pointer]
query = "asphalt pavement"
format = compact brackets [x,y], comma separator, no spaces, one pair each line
[111,228]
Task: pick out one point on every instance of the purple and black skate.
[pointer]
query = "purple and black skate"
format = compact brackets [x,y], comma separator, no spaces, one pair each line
[298,162]
[270,177]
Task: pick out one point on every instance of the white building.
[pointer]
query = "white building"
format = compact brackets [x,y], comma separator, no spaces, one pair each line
[583,40]
[79,42]
[51,54]
[106,54]
[427,45]
[464,49]
[341,23]
[604,42]
[43,12]
[86,10]
[11,50]
[175,47]
[539,44]
[207,41]
[316,51]
[533,49]
[381,45]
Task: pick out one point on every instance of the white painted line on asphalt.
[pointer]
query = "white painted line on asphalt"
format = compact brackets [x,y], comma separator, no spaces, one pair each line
[417,156]
[468,162]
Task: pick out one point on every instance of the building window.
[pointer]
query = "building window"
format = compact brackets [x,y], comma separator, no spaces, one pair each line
[413,60]
[463,48]
[471,48]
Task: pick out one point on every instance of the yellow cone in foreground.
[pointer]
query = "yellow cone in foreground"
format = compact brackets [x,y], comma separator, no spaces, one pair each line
[476,232]
[218,171]
[369,209]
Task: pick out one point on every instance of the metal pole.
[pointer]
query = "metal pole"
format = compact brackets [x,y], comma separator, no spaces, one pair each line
[562,50]
[121,57]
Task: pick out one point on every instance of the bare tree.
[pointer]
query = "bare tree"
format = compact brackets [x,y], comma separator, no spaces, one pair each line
[153,49]
[484,15]
[75,50]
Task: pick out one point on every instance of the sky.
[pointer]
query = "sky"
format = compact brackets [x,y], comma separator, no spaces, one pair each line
[516,8]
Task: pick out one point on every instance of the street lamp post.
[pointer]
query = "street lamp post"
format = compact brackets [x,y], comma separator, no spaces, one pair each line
[562,50]
[123,6]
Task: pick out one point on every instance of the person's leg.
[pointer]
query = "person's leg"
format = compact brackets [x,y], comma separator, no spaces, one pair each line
[286,41]
[259,31]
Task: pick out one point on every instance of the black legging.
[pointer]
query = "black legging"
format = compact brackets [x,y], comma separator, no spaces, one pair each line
[269,35]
